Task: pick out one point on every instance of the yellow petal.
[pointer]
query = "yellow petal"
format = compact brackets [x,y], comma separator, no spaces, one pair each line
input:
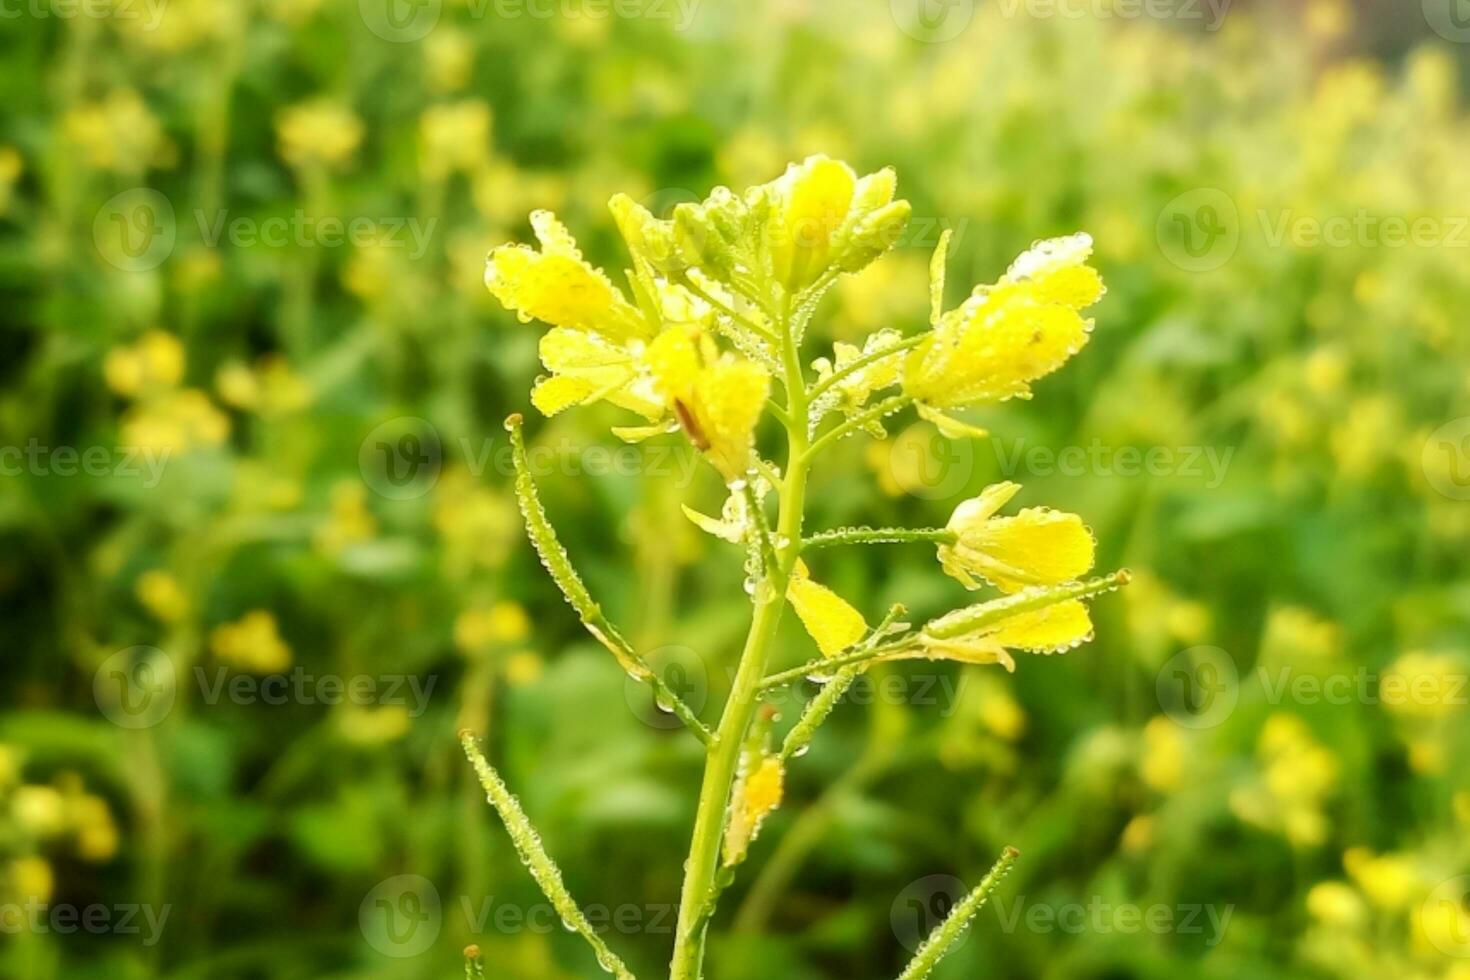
[1036,547]
[673,360]
[1050,630]
[729,397]
[817,196]
[949,426]
[559,393]
[832,623]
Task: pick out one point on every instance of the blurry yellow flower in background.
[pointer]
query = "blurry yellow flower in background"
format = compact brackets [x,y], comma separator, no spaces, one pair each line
[1391,881]
[118,133]
[161,594]
[270,388]
[176,421]
[479,629]
[1424,685]
[449,59]
[1036,547]
[39,810]
[155,360]
[12,165]
[252,643]
[454,137]
[349,521]
[1164,754]
[523,667]
[1296,777]
[30,878]
[1337,904]
[319,132]
[1293,631]
[373,725]
[477,526]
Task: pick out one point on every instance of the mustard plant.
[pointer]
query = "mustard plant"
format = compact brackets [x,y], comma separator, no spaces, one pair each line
[709,341]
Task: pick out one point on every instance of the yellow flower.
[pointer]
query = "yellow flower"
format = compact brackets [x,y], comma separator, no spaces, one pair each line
[349,520]
[1036,547]
[476,630]
[1164,751]
[556,285]
[717,398]
[1053,629]
[155,361]
[832,623]
[161,595]
[523,667]
[1421,684]
[271,388]
[454,137]
[31,878]
[449,56]
[118,133]
[318,132]
[176,421]
[756,795]
[374,726]
[1010,334]
[1391,881]
[825,216]
[1336,903]
[252,643]
[39,810]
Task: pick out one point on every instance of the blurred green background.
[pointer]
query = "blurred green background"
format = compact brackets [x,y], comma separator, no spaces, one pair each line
[258,560]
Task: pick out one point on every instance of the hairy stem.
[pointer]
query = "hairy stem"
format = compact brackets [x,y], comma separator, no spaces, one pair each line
[696,901]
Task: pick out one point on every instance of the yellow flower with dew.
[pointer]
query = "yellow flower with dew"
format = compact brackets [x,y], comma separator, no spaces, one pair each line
[161,594]
[1038,546]
[825,216]
[832,622]
[756,795]
[1053,629]
[717,398]
[252,643]
[319,132]
[1008,335]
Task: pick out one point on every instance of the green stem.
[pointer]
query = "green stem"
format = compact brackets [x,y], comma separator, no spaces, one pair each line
[878,535]
[944,938]
[696,901]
